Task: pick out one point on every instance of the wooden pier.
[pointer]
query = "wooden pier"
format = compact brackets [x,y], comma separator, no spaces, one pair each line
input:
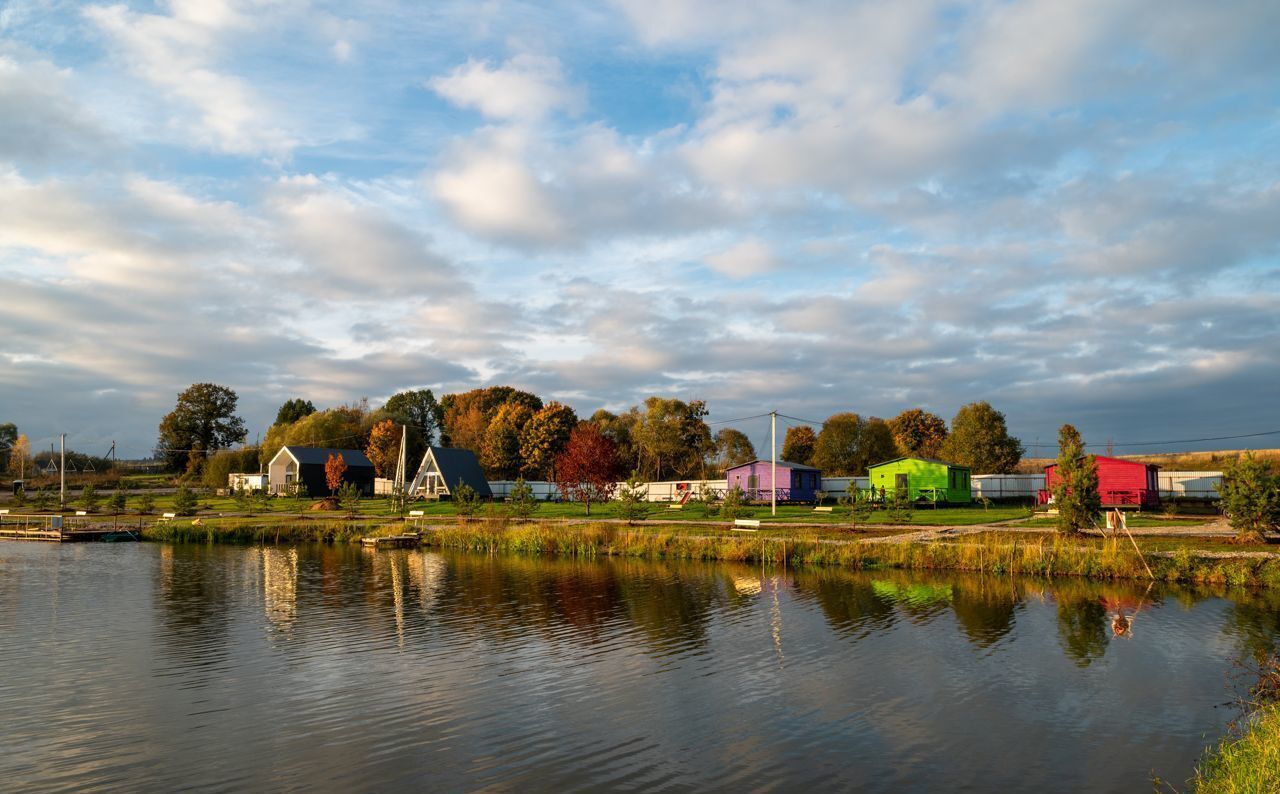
[406,541]
[57,529]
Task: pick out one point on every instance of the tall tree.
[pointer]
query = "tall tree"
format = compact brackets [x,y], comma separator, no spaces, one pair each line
[1075,484]
[8,437]
[293,410]
[587,471]
[500,446]
[342,427]
[467,415]
[383,450]
[418,409]
[733,448]
[203,420]
[673,437]
[19,456]
[848,444]
[618,429]
[799,444]
[544,437]
[919,433]
[980,440]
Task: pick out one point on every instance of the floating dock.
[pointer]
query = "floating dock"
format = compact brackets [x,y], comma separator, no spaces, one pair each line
[57,529]
[391,542]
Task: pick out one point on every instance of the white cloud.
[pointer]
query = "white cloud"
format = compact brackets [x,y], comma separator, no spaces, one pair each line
[177,53]
[527,87]
[751,257]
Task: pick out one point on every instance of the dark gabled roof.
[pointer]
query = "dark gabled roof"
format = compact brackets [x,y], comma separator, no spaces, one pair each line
[308,456]
[460,464]
[784,463]
[917,457]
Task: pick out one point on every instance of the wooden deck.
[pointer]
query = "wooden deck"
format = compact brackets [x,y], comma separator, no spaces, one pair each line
[58,529]
[391,542]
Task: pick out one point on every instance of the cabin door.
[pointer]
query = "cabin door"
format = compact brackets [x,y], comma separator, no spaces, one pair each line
[901,483]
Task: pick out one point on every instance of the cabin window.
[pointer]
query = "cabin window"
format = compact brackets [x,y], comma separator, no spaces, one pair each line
[753,482]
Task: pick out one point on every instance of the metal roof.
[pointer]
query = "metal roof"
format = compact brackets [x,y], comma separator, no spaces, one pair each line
[785,463]
[917,457]
[308,456]
[460,464]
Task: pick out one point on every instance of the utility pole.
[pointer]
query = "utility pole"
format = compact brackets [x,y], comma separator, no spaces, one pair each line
[62,474]
[773,463]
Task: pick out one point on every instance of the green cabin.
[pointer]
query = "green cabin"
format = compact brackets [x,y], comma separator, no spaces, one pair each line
[926,479]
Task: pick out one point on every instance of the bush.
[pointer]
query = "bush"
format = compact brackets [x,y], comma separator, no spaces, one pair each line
[1250,497]
[901,508]
[89,497]
[184,501]
[633,499]
[465,499]
[349,498]
[146,503]
[117,502]
[735,504]
[521,503]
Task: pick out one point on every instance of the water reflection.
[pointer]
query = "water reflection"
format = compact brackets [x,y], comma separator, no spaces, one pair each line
[333,667]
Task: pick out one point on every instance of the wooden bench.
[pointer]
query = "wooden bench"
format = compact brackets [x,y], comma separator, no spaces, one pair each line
[822,509]
[746,524]
[167,517]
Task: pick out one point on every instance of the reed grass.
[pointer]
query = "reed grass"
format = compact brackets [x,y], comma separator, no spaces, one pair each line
[1245,764]
[1023,555]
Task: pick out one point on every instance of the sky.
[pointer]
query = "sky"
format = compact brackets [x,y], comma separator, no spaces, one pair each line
[1070,210]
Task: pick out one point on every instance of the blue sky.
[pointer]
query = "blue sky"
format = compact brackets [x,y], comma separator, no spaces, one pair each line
[1067,209]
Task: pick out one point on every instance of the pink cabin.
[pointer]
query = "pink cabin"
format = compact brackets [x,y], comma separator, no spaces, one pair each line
[1121,483]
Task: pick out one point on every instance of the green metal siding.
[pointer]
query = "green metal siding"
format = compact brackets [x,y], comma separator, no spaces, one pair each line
[923,475]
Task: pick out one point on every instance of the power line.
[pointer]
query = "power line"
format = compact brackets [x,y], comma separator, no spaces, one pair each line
[1173,441]
[739,419]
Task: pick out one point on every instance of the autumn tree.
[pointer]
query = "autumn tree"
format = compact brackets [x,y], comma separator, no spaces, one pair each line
[980,440]
[1075,484]
[544,437]
[335,468]
[733,448]
[204,420]
[587,470]
[919,433]
[799,444]
[500,445]
[673,438]
[467,415]
[342,427]
[848,444]
[618,429]
[293,410]
[384,448]
[418,412]
[20,456]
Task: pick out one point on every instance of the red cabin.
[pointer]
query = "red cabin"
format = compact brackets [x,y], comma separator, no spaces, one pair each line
[1121,483]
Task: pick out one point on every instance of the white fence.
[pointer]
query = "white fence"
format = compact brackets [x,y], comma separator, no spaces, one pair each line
[1193,484]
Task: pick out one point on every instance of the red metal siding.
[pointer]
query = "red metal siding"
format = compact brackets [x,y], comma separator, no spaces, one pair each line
[1120,482]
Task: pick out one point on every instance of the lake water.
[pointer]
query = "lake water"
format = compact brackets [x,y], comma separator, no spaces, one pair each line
[158,667]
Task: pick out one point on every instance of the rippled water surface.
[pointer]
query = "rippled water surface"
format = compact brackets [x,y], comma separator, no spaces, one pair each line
[157,667]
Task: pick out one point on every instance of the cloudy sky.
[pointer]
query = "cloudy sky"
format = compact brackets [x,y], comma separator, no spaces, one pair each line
[1071,210]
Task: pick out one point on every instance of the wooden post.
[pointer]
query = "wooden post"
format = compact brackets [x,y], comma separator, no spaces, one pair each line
[773,463]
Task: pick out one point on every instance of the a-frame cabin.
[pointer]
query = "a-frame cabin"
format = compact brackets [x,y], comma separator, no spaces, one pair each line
[443,469]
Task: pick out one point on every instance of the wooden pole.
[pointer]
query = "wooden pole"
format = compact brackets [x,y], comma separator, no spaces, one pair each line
[62,475]
[773,463]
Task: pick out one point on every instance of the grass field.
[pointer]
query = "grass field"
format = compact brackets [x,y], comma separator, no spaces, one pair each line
[1152,520]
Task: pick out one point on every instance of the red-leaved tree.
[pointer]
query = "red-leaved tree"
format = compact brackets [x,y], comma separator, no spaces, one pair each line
[334,468]
[587,470]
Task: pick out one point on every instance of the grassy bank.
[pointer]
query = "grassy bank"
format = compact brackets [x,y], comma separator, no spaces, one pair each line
[1035,556]
[1249,763]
